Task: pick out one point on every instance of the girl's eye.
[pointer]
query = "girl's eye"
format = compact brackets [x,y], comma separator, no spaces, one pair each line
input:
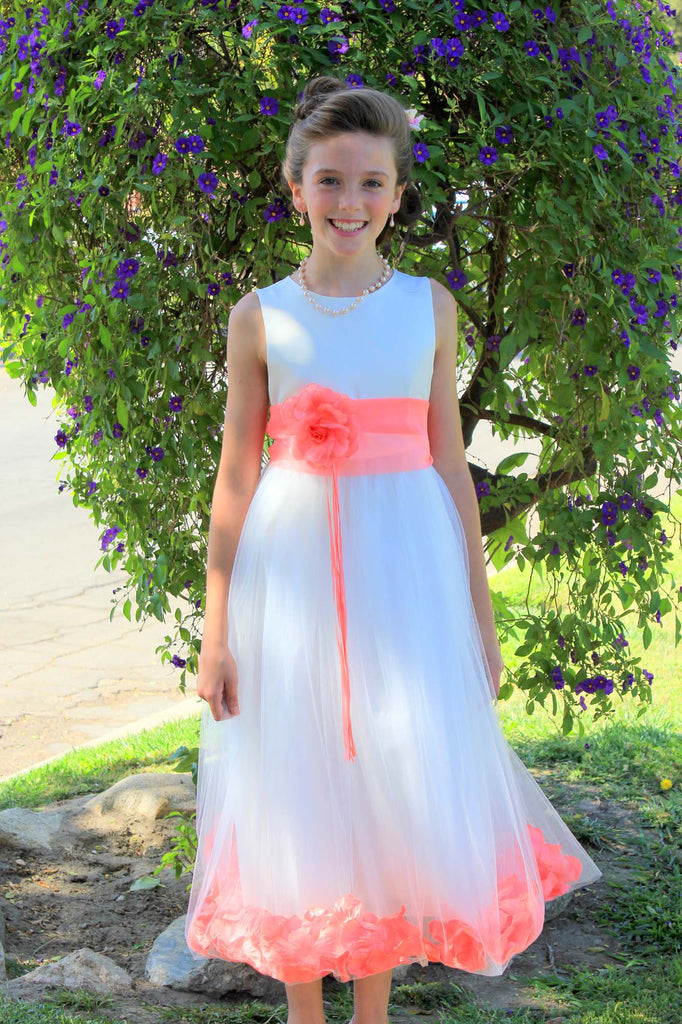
[324,180]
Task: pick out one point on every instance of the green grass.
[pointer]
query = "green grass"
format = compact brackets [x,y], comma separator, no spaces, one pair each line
[614,995]
[92,769]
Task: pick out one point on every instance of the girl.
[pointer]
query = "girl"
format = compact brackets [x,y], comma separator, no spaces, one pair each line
[358,806]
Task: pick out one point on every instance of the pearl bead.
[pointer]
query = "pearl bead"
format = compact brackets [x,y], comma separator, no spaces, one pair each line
[356,302]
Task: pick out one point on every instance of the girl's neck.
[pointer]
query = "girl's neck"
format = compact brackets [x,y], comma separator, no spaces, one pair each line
[335,277]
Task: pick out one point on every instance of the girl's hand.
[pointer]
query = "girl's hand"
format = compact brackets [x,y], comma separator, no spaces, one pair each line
[494,655]
[217,681]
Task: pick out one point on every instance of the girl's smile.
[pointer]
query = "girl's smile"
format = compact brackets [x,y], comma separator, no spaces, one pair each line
[350,227]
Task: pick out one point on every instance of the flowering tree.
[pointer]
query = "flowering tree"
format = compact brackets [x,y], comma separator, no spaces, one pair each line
[142,197]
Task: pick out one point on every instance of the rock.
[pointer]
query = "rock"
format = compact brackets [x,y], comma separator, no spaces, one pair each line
[83,969]
[172,964]
[557,906]
[2,947]
[144,797]
[32,831]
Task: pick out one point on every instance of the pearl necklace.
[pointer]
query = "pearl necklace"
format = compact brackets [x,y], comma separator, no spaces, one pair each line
[356,302]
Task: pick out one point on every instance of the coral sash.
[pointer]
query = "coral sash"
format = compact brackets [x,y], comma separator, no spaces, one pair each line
[319,430]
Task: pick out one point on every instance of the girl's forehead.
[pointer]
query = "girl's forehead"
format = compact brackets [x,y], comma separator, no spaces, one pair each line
[351,151]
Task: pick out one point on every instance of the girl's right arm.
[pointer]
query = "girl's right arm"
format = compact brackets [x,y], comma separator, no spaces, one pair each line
[238,474]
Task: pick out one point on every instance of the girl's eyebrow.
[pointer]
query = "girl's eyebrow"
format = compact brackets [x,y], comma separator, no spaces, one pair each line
[332,170]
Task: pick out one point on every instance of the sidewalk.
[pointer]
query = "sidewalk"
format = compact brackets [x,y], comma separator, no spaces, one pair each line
[67,674]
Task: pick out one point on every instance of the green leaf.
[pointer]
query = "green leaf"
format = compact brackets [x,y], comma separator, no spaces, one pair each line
[145,882]
[105,336]
[513,461]
[121,412]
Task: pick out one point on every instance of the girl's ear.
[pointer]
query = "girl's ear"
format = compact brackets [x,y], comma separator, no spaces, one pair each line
[295,192]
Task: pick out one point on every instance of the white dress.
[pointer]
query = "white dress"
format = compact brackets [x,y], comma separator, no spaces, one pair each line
[435,843]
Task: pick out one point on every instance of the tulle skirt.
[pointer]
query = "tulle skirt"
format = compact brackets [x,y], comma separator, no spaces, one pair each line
[435,843]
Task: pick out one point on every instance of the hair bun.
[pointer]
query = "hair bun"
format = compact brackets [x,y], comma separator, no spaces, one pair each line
[315,92]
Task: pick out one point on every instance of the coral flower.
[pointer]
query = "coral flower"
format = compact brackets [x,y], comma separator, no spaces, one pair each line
[321,423]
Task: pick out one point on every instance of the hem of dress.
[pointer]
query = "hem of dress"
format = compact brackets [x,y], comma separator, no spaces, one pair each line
[349,942]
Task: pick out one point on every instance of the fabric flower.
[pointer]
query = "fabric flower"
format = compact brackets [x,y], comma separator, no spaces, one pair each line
[321,423]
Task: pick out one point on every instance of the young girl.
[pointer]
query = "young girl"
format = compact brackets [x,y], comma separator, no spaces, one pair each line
[358,805]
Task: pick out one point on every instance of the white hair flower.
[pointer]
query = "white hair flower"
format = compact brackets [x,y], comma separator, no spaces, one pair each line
[413,118]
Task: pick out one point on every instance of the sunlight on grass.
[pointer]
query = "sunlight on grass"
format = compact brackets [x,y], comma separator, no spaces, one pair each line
[661,658]
[92,769]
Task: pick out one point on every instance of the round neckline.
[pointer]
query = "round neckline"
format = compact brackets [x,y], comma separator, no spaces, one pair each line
[342,298]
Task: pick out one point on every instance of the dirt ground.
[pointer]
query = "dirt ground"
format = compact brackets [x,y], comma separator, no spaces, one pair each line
[55,904]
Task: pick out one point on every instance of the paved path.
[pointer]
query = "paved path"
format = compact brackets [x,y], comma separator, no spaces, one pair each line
[67,674]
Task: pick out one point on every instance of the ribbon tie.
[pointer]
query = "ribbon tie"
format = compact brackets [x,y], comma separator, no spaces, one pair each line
[319,430]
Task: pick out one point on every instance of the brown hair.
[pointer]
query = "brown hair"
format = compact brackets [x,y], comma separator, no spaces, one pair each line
[327,107]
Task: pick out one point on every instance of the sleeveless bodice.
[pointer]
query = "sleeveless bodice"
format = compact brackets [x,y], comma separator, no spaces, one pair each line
[383,348]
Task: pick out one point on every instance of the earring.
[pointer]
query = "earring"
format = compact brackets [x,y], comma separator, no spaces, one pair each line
[301,219]
[392,222]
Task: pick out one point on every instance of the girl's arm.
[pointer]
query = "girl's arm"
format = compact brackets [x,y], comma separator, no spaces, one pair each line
[449,459]
[237,477]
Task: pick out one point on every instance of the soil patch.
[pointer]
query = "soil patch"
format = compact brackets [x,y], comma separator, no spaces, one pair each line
[79,895]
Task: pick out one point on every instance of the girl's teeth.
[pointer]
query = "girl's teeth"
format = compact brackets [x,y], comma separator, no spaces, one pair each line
[356,226]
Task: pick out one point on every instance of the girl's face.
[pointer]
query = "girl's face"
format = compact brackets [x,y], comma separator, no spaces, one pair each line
[351,178]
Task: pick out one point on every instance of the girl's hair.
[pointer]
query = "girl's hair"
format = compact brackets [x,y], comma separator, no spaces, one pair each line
[327,107]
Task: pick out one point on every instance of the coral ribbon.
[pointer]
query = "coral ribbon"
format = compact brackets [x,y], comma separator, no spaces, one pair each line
[319,430]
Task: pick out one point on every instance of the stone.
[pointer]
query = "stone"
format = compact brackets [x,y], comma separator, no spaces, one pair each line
[83,969]
[145,797]
[172,964]
[30,831]
[557,906]
[2,947]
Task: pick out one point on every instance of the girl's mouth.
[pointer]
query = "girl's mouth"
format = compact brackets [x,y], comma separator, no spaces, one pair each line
[358,226]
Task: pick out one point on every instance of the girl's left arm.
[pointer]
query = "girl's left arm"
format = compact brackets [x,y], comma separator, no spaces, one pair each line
[449,459]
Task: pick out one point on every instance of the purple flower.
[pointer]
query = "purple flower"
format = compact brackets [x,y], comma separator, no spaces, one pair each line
[557,676]
[337,45]
[600,152]
[175,403]
[482,489]
[487,155]
[633,372]
[157,453]
[500,22]
[61,437]
[269,105]
[178,662]
[247,31]
[108,536]
[421,152]
[609,513]
[141,472]
[117,429]
[208,182]
[189,144]
[504,134]
[532,48]
[456,279]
